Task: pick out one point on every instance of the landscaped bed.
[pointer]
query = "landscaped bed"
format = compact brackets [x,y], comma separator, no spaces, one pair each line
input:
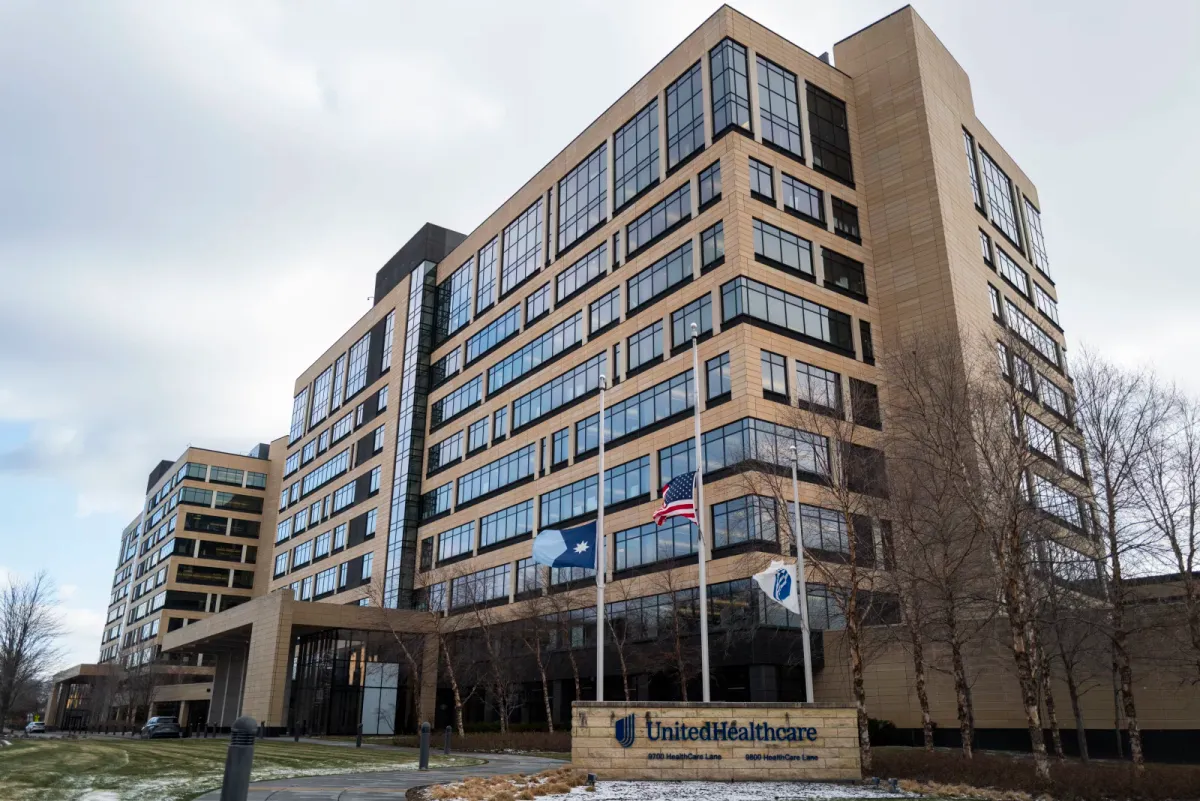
[171,770]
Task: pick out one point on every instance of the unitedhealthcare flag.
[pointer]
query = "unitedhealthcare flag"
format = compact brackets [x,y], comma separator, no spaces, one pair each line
[779,582]
[572,547]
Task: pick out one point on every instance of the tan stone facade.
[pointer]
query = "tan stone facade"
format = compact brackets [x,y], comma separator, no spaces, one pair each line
[785,742]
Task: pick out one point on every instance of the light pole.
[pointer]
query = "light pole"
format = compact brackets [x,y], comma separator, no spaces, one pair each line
[800,580]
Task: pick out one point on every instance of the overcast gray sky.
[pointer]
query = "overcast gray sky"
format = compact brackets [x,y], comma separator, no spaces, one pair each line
[194,198]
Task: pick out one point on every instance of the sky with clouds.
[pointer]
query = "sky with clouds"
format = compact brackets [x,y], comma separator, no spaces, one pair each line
[196,197]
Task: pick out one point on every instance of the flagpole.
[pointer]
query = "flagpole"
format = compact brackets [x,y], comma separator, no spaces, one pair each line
[704,684]
[601,554]
[800,579]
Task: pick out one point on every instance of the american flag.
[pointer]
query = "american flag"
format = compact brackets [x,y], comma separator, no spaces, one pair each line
[677,499]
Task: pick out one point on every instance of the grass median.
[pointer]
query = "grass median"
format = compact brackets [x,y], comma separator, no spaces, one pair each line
[172,770]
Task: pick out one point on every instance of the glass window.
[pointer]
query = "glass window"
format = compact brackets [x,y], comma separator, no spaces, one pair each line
[326,472]
[685,116]
[344,496]
[445,368]
[1052,396]
[782,249]
[626,417]
[339,381]
[322,388]
[562,445]
[494,334]
[309,453]
[339,536]
[283,530]
[635,155]
[660,219]
[845,274]
[291,464]
[802,199]
[444,452]
[452,303]
[256,480]
[302,554]
[281,565]
[225,475]
[1011,272]
[1041,438]
[496,475]
[359,352]
[818,389]
[326,581]
[994,297]
[583,198]
[972,168]
[456,541]
[710,184]
[845,220]
[436,501]
[500,423]
[1037,242]
[486,295]
[671,270]
[299,406]
[822,529]
[559,391]
[746,519]
[323,543]
[301,520]
[717,372]
[774,373]
[537,304]
[730,86]
[712,246]
[368,569]
[389,333]
[864,403]
[1001,204]
[1056,501]
[750,439]
[565,335]
[1072,458]
[761,180]
[377,443]
[457,402]
[522,249]
[778,109]
[529,576]
[605,311]
[1031,332]
[830,134]
[505,524]
[477,435]
[1045,304]
[623,482]
[985,247]
[646,345]
[649,543]
[699,311]
[745,296]
[581,274]
[480,587]
[868,344]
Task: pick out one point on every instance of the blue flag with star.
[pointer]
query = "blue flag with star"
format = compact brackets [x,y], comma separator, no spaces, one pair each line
[571,547]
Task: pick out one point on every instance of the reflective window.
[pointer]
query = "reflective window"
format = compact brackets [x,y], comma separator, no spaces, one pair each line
[299,406]
[717,373]
[635,155]
[712,245]
[626,417]
[257,480]
[322,389]
[1045,304]
[774,373]
[699,311]
[745,519]
[685,116]
[818,389]
[761,181]
[582,198]
[782,249]
[452,303]
[1037,241]
[566,334]
[325,583]
[802,199]
[344,496]
[646,345]
[649,543]
[500,423]
[357,378]
[844,273]
[830,134]
[1072,458]
[486,294]
[494,334]
[342,427]
[581,273]
[1001,203]
[845,220]
[496,475]
[281,565]
[822,529]
[558,391]
[1030,332]
[778,109]
[985,247]
[1040,437]
[605,310]
[225,475]
[456,541]
[436,501]
[972,168]
[389,333]
[339,381]
[1056,501]
[512,521]
[730,87]
[529,576]
[537,304]
[522,248]
[1052,396]
[480,587]
[745,296]
[457,402]
[477,435]
[623,482]
[669,212]
[445,368]
[328,471]
[1012,272]
[670,270]
[561,446]
[444,452]
[710,184]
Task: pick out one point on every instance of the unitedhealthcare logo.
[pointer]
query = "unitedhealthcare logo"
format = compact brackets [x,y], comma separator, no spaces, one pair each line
[625,729]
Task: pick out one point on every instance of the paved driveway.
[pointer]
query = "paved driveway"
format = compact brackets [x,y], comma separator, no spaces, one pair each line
[390,785]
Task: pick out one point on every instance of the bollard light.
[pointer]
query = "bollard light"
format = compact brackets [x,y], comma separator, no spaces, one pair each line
[591,780]
[358,737]
[424,764]
[446,745]
[239,759]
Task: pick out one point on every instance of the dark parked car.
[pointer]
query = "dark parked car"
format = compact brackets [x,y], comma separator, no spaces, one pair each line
[161,726]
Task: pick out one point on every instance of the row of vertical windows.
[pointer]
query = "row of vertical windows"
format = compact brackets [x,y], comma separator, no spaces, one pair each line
[672,269]
[457,402]
[456,541]
[730,86]
[845,219]
[710,184]
[830,134]
[778,108]
[452,306]
[712,245]
[803,199]
[685,116]
[495,475]
[328,471]
[486,275]
[844,273]
[1056,501]
[537,305]
[745,296]
[761,181]
[748,439]
[512,521]
[660,218]
[649,543]
[1012,272]
[299,404]
[581,273]
[621,483]
[344,496]
[559,391]
[1031,332]
[582,198]
[782,248]
[356,378]
[1001,202]
[562,336]
[444,452]
[445,368]
[1045,304]
[635,155]
[522,248]
[477,435]
[604,311]
[322,388]
[436,501]
[480,587]
[972,168]
[1037,242]
[494,334]
[622,419]
[645,346]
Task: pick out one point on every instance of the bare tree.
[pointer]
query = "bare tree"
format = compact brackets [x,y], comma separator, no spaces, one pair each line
[536,631]
[29,632]
[1121,414]
[677,642]
[411,644]
[619,629]
[561,604]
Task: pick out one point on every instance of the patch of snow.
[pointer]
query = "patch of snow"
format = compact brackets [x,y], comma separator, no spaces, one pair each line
[100,795]
[721,791]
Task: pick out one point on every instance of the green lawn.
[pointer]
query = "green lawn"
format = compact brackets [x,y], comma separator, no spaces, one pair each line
[171,770]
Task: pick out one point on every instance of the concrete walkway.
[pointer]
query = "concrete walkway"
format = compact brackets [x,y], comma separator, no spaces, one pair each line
[388,786]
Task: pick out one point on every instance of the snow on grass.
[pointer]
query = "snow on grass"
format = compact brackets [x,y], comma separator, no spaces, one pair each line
[721,791]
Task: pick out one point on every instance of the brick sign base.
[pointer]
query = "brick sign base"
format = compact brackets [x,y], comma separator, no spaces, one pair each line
[719,741]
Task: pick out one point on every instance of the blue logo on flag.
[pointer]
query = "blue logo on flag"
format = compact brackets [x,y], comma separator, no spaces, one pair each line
[783,585]
[625,729]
